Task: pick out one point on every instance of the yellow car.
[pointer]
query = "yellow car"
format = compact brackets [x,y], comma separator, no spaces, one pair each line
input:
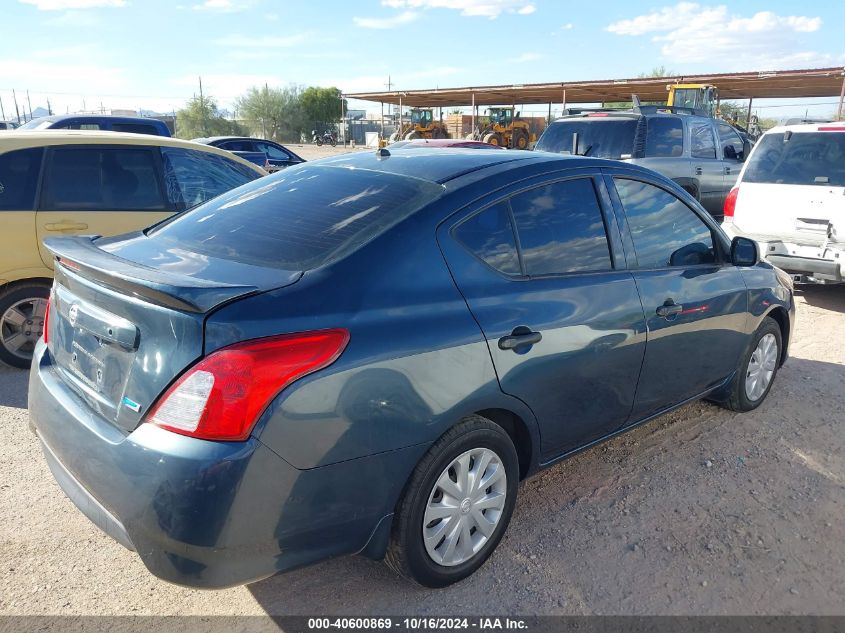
[58,182]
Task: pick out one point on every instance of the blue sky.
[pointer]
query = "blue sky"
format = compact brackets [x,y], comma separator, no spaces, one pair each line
[149,53]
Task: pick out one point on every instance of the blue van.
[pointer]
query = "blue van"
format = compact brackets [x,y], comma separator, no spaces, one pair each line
[133,124]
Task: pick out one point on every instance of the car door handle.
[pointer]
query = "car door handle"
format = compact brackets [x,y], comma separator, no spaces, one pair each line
[669,308]
[698,171]
[727,170]
[66,226]
[520,338]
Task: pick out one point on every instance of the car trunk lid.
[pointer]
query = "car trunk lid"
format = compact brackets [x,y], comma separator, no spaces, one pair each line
[127,319]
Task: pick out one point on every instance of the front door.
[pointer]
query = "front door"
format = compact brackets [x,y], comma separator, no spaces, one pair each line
[707,167]
[694,301]
[561,315]
[99,190]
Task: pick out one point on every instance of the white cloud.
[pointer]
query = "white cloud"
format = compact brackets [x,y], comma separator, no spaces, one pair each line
[224,6]
[691,33]
[65,5]
[263,42]
[568,26]
[405,17]
[485,8]
[526,57]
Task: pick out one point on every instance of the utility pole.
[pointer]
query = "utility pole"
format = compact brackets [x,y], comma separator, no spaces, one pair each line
[49,108]
[2,111]
[17,112]
[30,105]
[202,108]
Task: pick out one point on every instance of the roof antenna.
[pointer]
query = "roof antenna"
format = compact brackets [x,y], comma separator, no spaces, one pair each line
[382,152]
[636,101]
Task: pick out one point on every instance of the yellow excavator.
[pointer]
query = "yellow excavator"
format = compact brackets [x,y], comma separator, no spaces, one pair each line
[506,130]
[421,125]
[702,99]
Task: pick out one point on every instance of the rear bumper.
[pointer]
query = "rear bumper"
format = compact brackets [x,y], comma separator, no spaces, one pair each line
[827,269]
[207,514]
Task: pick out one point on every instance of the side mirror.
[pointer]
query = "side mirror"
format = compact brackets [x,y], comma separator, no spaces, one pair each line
[744,252]
[746,150]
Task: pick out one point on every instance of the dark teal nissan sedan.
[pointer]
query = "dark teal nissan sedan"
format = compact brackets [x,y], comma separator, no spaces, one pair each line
[366,354]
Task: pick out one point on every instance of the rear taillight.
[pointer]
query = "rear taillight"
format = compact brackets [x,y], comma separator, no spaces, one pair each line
[46,322]
[730,204]
[222,396]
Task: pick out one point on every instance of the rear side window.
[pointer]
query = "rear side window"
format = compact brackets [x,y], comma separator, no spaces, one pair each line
[239,146]
[489,235]
[601,137]
[193,177]
[805,158]
[135,128]
[664,137]
[101,179]
[299,219]
[561,229]
[276,153]
[665,231]
[18,179]
[702,144]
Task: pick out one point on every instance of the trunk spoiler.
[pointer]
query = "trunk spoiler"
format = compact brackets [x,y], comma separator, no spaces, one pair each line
[79,254]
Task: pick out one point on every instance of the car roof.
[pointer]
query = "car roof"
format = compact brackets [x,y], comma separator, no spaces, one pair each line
[444,142]
[215,139]
[808,127]
[112,117]
[22,139]
[451,163]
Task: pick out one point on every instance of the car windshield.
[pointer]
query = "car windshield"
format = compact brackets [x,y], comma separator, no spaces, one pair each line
[799,158]
[303,217]
[600,137]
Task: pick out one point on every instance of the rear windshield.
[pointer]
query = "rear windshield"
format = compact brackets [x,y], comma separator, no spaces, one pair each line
[600,137]
[799,158]
[298,219]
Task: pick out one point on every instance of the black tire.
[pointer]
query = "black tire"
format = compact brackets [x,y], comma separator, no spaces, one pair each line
[737,399]
[319,141]
[9,297]
[406,553]
[334,143]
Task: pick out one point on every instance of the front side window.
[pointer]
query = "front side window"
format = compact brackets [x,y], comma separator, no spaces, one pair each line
[665,231]
[560,229]
[276,153]
[702,144]
[731,142]
[664,137]
[489,236]
[18,179]
[101,179]
[192,177]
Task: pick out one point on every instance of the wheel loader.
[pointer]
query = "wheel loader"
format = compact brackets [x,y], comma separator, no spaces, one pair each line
[506,130]
[700,98]
[421,125]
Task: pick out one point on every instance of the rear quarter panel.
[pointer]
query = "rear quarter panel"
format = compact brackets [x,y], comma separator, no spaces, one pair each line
[19,257]
[416,362]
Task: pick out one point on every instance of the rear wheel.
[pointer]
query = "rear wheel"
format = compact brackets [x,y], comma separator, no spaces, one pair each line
[757,368]
[456,506]
[520,139]
[22,311]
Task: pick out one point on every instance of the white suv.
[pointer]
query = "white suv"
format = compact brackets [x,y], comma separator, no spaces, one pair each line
[790,199]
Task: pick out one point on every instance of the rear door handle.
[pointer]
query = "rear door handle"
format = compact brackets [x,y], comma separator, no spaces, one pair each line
[669,308]
[727,170]
[66,226]
[521,338]
[698,171]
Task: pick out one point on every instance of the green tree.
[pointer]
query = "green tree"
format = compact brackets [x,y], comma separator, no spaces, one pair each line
[321,105]
[273,113]
[201,117]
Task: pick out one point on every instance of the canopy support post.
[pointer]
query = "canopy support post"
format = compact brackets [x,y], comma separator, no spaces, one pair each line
[563,112]
[841,99]
[748,116]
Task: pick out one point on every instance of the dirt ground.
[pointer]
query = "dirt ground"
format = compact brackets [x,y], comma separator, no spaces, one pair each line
[702,511]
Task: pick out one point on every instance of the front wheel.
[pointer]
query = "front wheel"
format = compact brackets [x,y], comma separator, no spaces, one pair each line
[456,506]
[22,312]
[757,368]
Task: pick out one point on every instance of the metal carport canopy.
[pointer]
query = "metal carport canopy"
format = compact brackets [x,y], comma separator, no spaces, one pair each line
[816,82]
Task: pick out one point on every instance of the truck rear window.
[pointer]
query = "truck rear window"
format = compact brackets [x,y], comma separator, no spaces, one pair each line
[799,158]
[298,219]
[599,137]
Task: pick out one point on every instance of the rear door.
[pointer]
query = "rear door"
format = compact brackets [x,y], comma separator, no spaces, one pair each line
[694,300]
[100,189]
[561,315]
[707,165]
[19,173]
